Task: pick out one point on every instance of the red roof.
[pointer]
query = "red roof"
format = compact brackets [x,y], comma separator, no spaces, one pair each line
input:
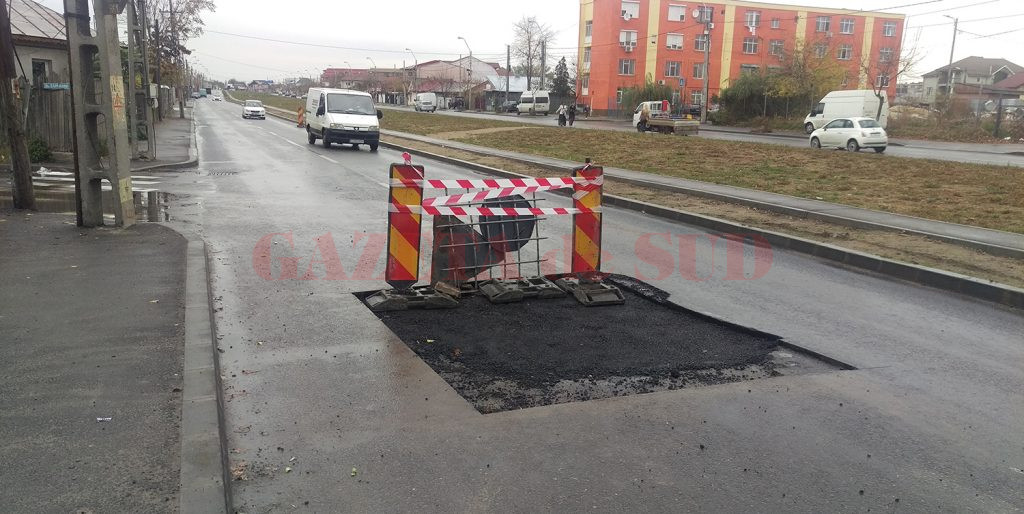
[1012,82]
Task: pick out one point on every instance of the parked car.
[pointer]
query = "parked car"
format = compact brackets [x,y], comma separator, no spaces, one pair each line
[510,106]
[852,134]
[846,104]
[217,98]
[195,96]
[254,109]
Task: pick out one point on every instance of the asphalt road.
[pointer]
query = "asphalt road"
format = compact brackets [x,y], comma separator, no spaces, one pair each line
[326,406]
[954,152]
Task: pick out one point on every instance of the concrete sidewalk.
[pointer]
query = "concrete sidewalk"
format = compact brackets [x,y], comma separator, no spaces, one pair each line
[92,364]
[995,241]
[175,144]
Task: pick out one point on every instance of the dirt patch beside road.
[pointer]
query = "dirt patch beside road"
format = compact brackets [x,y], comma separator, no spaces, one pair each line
[902,247]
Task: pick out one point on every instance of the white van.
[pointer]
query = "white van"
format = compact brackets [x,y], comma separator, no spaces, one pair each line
[655,109]
[534,102]
[425,102]
[342,116]
[853,103]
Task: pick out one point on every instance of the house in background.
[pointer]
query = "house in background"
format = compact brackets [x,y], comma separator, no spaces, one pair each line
[969,77]
[40,43]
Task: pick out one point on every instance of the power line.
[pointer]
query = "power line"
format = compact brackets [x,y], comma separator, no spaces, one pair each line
[335,47]
[965,21]
[998,33]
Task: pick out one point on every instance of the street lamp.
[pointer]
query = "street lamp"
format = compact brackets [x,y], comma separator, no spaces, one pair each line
[415,69]
[469,92]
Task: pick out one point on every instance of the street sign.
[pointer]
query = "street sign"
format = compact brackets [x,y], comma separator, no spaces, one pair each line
[54,86]
[682,82]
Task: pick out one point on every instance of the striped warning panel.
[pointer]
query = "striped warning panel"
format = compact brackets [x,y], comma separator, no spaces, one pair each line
[497,211]
[403,264]
[586,240]
[493,183]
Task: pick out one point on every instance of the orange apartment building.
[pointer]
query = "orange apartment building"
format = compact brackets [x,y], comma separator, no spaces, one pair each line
[621,42]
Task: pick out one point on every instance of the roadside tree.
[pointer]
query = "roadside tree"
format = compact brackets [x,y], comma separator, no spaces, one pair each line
[530,37]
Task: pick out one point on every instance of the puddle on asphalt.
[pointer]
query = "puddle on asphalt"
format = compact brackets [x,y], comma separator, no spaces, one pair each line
[542,352]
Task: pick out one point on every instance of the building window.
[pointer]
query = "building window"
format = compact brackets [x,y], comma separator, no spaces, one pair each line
[750,45]
[676,12]
[627,38]
[586,59]
[882,81]
[845,52]
[775,23]
[774,69]
[630,10]
[885,55]
[700,43]
[618,95]
[753,18]
[40,71]
[889,29]
[627,66]
[706,15]
[776,47]
[672,68]
[824,24]
[820,50]
[698,70]
[588,31]
[674,41]
[749,68]
[585,85]
[846,26]
[696,97]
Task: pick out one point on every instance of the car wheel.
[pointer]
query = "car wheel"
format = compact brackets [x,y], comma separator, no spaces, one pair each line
[327,144]
[808,128]
[852,146]
[880,150]
[815,143]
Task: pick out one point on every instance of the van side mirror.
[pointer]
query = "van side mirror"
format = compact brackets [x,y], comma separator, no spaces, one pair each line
[380,114]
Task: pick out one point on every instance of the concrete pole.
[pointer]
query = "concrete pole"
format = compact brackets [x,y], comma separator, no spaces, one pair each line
[93,100]
[508,68]
[949,68]
[543,62]
[21,181]
[707,71]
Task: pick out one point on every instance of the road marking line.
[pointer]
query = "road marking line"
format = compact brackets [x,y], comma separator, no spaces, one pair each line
[326,158]
[272,132]
[293,143]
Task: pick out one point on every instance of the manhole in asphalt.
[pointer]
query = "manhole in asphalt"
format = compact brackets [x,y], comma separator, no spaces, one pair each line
[542,352]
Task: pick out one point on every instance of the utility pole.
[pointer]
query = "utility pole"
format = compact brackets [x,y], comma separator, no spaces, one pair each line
[469,92]
[95,100]
[10,103]
[705,19]
[156,73]
[138,81]
[177,50]
[543,62]
[949,68]
[508,68]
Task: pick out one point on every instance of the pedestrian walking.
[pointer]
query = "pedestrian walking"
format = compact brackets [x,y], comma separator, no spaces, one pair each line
[561,115]
[571,114]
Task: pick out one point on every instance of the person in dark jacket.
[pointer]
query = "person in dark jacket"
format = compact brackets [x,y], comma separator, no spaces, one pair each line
[571,114]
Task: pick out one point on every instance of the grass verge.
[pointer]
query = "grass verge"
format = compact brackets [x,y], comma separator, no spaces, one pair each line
[907,248]
[970,194]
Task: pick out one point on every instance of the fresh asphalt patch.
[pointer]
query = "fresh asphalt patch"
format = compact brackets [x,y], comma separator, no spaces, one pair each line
[543,352]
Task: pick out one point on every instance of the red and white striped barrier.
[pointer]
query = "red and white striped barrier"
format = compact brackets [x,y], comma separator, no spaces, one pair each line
[484,211]
[495,183]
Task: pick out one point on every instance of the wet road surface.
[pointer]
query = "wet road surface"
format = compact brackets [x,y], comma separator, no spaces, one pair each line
[326,406]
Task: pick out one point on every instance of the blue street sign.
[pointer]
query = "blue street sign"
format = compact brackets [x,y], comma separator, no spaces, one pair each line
[52,86]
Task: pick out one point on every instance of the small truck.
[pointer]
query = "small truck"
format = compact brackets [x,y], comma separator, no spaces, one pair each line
[658,119]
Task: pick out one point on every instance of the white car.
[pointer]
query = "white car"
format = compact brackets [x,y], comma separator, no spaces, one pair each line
[254,109]
[217,99]
[852,134]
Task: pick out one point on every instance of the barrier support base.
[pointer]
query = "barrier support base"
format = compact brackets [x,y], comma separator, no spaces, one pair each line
[591,294]
[415,298]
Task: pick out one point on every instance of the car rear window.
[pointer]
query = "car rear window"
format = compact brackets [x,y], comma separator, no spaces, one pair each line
[868,124]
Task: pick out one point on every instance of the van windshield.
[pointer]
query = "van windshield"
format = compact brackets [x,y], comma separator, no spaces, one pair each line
[350,104]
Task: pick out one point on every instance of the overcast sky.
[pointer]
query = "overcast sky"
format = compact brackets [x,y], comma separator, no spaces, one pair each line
[381,30]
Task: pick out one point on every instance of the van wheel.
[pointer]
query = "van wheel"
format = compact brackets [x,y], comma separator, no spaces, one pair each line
[815,143]
[327,144]
[373,147]
[640,127]
[310,137]
[880,150]
[852,146]
[808,128]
